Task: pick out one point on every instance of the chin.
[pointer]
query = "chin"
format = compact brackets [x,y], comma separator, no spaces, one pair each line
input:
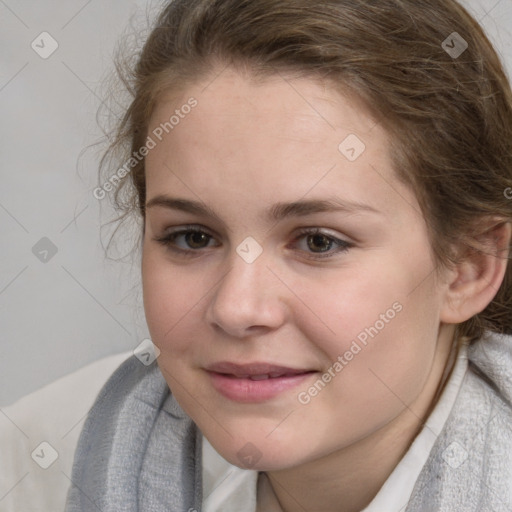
[258,454]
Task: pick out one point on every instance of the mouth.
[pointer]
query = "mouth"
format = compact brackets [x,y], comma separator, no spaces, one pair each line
[255,382]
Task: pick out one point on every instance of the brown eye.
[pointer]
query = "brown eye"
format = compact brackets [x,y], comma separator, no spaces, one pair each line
[197,240]
[319,242]
[189,240]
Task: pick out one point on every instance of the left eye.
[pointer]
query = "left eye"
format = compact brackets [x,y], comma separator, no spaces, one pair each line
[320,244]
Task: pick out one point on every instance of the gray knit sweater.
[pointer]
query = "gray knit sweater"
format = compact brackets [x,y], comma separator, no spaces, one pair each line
[139,451]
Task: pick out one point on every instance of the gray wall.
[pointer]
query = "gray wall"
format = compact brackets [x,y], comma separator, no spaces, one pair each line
[61,311]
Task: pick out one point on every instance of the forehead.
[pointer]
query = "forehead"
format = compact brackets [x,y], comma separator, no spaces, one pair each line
[272,140]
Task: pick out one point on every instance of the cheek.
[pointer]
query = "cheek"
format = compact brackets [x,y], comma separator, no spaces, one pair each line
[169,298]
[381,320]
[342,305]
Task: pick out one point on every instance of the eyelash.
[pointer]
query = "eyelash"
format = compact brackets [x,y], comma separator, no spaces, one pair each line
[169,239]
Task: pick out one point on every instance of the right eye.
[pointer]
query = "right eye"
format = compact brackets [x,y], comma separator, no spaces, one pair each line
[186,240]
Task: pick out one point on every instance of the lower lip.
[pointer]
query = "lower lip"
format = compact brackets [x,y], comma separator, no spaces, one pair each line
[248,390]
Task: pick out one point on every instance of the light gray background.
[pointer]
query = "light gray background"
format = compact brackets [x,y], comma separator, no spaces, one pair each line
[77,307]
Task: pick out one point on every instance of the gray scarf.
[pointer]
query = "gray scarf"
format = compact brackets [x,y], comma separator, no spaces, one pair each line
[139,452]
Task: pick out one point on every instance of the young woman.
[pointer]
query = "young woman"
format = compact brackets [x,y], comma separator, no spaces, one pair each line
[324,190]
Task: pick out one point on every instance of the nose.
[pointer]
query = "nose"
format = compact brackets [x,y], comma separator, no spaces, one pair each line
[249,299]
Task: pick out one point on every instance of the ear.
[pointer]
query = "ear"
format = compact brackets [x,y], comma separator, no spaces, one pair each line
[475,280]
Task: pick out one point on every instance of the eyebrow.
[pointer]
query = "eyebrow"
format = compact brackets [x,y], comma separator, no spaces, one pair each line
[184,205]
[275,213]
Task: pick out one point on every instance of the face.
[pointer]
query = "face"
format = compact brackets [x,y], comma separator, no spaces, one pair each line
[287,274]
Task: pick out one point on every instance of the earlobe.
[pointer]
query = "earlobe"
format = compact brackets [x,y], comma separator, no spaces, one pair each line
[478,276]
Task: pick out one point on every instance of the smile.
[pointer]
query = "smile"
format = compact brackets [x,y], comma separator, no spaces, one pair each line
[254,382]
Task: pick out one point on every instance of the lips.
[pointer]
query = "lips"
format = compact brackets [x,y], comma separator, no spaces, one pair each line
[255,371]
[254,382]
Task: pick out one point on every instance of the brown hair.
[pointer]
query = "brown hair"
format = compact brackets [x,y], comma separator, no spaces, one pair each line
[449,116]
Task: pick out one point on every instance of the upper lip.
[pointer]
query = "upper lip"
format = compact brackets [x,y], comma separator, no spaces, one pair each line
[252,369]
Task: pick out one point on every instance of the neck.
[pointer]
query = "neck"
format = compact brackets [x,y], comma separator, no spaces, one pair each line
[347,480]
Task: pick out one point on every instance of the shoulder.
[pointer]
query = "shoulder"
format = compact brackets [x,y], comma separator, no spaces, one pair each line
[491,360]
[39,435]
[470,466]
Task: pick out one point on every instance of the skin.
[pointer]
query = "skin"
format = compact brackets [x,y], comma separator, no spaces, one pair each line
[246,146]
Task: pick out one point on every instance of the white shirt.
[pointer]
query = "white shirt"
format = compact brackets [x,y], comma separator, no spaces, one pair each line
[227,488]
[35,477]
